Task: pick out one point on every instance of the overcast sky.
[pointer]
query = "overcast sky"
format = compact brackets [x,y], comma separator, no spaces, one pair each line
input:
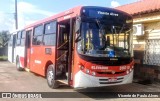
[30,11]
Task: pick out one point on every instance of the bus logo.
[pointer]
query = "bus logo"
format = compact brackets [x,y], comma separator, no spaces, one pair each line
[113,72]
[99,67]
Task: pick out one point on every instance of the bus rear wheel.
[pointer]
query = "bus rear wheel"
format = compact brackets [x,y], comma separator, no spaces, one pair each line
[52,83]
[19,68]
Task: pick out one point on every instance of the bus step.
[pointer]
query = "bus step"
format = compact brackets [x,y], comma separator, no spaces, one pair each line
[27,69]
[63,81]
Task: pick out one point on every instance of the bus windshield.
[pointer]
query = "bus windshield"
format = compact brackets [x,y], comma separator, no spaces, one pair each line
[99,39]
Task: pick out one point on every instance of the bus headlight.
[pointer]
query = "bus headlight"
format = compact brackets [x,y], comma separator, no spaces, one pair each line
[87,71]
[81,67]
[127,71]
[93,73]
[130,69]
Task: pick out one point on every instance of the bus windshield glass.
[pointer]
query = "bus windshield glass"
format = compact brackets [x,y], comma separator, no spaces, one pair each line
[103,38]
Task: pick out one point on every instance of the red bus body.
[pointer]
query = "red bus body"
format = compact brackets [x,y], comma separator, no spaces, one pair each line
[82,72]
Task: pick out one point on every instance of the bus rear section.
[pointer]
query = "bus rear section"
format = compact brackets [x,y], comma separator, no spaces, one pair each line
[20,50]
[11,48]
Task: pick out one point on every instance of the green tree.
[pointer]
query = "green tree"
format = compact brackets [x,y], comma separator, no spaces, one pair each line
[4,38]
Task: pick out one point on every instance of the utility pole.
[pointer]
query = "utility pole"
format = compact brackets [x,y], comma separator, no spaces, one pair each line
[16,15]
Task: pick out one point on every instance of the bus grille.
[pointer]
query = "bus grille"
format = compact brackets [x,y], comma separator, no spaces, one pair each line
[106,81]
[111,72]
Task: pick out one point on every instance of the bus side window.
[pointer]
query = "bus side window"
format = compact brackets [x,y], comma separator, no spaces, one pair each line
[37,35]
[63,34]
[18,38]
[50,34]
[23,38]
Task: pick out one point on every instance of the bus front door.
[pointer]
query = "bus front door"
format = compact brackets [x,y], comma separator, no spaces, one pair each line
[64,50]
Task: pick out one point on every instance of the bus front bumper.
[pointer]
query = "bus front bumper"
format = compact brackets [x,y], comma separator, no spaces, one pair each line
[83,80]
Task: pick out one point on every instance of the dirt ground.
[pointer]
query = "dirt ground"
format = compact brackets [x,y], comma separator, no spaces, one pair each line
[12,80]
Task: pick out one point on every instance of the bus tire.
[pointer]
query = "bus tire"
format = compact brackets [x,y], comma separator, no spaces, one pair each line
[19,68]
[52,83]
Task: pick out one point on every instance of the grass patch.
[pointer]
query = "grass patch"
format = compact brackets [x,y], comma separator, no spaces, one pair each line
[3,58]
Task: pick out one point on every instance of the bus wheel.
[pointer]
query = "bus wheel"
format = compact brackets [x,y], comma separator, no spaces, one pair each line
[18,65]
[52,83]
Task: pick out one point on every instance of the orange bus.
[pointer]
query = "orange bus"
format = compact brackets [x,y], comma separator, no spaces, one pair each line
[86,46]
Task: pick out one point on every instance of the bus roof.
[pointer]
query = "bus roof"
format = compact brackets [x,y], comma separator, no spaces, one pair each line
[62,14]
[75,11]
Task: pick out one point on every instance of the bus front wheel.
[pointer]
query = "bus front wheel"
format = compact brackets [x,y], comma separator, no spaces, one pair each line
[52,83]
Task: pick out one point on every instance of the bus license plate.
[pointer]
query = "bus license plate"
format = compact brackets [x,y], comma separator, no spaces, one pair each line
[112,79]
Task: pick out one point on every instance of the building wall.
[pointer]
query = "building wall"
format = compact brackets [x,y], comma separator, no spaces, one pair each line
[147,49]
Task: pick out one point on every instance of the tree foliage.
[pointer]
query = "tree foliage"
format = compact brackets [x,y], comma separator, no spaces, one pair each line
[4,38]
